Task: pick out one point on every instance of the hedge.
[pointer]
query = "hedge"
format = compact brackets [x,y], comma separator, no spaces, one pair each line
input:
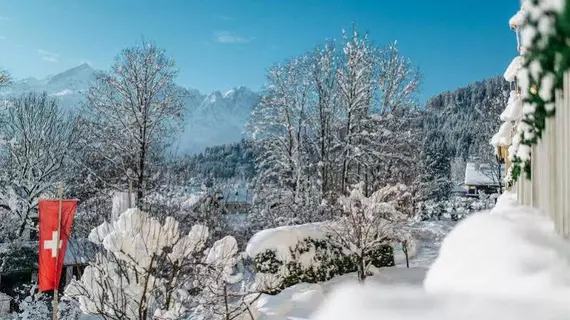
[329,259]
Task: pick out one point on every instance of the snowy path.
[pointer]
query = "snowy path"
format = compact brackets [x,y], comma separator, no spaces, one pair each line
[427,236]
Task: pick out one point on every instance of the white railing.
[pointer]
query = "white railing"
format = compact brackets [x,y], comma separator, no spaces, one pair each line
[549,188]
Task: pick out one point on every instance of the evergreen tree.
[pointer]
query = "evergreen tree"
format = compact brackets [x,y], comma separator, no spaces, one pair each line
[436,162]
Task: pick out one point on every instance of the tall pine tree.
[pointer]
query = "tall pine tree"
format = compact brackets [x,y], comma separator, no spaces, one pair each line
[436,163]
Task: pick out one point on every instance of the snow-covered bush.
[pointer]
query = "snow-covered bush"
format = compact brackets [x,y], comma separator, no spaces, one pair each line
[307,253]
[69,309]
[150,268]
[455,208]
[32,304]
[204,208]
[367,224]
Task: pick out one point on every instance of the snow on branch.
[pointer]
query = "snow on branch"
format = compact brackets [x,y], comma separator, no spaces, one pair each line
[150,268]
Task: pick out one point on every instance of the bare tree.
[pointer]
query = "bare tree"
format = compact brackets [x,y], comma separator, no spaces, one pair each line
[133,112]
[280,125]
[398,82]
[491,167]
[324,114]
[356,83]
[36,154]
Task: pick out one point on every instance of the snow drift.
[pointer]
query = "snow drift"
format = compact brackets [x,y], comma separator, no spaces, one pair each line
[505,264]
[511,251]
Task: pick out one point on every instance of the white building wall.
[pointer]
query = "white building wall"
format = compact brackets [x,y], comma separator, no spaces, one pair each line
[549,188]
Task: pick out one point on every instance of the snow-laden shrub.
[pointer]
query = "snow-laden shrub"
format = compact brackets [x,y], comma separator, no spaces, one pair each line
[205,208]
[151,269]
[455,208]
[307,254]
[32,304]
[368,223]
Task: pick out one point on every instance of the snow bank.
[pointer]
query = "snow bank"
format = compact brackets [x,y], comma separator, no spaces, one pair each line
[302,300]
[298,301]
[374,302]
[281,239]
[505,201]
[512,251]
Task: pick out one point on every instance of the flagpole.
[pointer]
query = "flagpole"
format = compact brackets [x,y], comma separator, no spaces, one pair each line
[56,286]
[130,194]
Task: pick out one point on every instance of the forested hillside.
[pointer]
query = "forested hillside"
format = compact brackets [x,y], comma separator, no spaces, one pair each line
[469,116]
[223,162]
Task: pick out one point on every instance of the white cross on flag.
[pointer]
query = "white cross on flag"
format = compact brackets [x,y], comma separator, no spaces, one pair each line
[53,240]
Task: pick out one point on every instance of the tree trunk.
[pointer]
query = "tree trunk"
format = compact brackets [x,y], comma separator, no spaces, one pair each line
[406,254]
[361,270]
[226,304]
[141,169]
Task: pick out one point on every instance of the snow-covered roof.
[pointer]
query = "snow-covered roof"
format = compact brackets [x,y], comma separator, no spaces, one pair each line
[481,174]
[460,187]
[79,252]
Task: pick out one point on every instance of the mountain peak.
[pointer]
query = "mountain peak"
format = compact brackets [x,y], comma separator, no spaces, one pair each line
[81,73]
[82,67]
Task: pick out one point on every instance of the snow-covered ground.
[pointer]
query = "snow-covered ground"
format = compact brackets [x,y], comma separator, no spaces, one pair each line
[427,238]
[500,265]
[303,300]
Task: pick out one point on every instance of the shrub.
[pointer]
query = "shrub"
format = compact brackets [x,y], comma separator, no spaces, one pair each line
[314,260]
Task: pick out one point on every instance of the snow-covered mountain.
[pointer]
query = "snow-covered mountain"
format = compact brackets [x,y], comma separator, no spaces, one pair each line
[210,119]
[68,86]
[215,118]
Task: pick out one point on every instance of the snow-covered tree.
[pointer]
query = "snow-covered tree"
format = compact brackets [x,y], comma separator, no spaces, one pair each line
[341,114]
[36,154]
[4,77]
[227,294]
[436,164]
[132,113]
[150,269]
[395,150]
[34,305]
[324,114]
[356,84]
[367,223]
[280,125]
[398,82]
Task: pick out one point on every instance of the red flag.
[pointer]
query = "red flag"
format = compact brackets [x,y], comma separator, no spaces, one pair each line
[52,244]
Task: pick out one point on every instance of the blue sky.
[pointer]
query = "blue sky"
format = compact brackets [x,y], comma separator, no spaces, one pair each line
[220,44]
